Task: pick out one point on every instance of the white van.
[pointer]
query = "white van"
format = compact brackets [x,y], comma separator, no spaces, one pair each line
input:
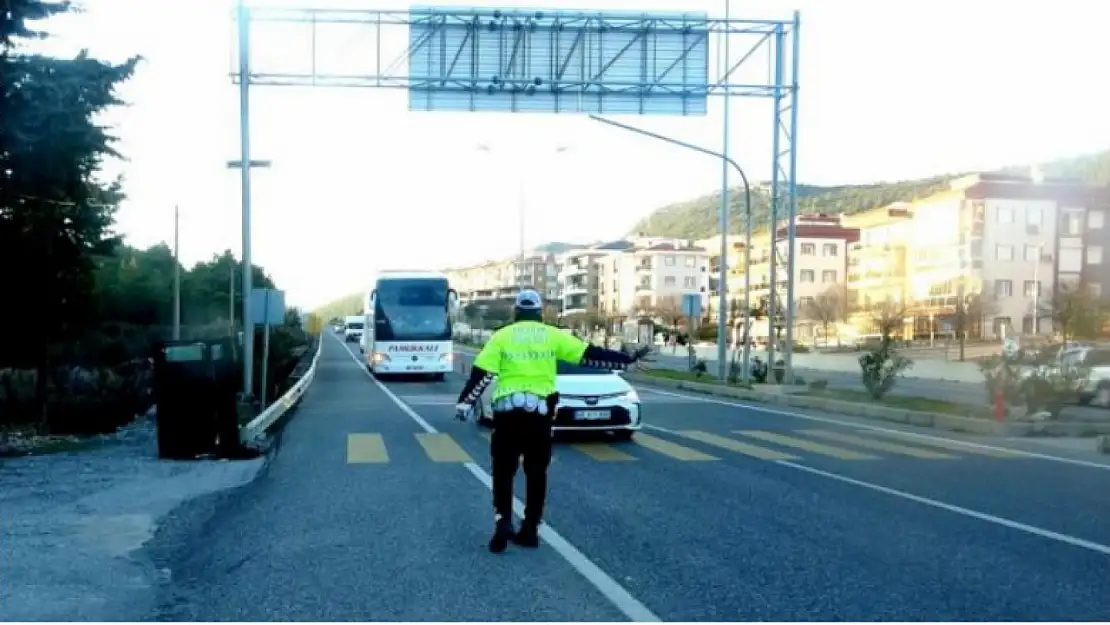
[353,328]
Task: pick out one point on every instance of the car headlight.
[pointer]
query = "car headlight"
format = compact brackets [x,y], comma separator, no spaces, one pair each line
[631,396]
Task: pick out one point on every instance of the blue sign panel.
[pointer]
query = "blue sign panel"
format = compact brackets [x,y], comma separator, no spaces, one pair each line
[691,305]
[545,61]
[267,307]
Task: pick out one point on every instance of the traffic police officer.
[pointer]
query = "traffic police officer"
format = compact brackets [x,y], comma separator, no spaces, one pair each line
[523,356]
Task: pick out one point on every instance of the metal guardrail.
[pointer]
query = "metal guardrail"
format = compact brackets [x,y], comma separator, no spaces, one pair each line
[283,404]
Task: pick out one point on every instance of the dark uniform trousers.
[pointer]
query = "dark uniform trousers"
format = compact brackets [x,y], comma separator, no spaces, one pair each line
[517,434]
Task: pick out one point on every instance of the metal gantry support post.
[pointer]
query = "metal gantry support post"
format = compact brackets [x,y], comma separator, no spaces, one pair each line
[776,121]
[792,198]
[245,173]
[722,280]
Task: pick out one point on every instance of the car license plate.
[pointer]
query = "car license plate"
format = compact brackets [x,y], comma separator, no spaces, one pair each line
[592,415]
[414,368]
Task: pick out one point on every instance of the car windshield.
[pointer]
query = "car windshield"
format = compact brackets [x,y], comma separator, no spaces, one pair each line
[569,369]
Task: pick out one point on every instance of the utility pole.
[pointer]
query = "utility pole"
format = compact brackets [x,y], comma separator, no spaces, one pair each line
[231,299]
[176,275]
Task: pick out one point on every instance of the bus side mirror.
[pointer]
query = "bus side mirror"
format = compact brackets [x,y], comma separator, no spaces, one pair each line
[452,300]
[373,297]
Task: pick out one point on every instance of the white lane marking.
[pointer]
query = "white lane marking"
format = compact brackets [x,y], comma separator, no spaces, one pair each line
[875,428]
[982,516]
[606,585]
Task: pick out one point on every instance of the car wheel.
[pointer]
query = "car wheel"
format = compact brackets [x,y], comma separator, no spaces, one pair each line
[439,377]
[623,435]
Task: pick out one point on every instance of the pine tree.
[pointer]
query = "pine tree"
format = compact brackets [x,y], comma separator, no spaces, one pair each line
[55,216]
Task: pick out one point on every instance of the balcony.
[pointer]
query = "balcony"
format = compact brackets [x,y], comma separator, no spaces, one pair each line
[575,304]
[644,287]
[573,269]
[644,268]
[575,288]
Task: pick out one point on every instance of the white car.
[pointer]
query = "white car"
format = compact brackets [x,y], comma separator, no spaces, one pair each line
[589,400]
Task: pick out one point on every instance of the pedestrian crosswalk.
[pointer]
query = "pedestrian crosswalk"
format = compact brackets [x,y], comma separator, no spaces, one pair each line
[682,445]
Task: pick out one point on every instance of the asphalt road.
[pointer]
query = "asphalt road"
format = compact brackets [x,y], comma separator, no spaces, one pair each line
[376,507]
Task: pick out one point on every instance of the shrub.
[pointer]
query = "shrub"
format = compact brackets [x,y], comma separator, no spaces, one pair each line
[881,366]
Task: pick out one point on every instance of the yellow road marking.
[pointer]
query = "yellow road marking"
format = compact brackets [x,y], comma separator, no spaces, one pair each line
[442,448]
[674,450]
[868,443]
[817,448]
[366,449]
[929,442]
[735,445]
[603,452]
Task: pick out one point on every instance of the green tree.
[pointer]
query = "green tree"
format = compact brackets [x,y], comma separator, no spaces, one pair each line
[55,215]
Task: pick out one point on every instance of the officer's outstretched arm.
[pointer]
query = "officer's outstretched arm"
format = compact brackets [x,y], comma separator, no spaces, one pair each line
[472,390]
[601,358]
[486,366]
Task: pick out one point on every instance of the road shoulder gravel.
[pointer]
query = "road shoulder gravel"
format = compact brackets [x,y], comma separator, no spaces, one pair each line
[75,523]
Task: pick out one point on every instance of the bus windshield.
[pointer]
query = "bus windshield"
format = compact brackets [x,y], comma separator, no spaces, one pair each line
[412,310]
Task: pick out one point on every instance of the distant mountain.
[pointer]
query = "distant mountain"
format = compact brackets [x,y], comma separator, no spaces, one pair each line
[699,218]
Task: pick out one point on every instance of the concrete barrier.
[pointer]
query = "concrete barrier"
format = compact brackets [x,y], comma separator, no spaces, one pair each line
[268,417]
[925,369]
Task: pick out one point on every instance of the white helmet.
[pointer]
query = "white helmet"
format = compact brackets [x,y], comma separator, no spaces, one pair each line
[528,300]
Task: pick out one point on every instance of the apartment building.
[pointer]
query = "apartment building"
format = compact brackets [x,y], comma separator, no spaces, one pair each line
[877,262]
[579,277]
[502,279]
[1029,236]
[646,278]
[993,242]
[820,266]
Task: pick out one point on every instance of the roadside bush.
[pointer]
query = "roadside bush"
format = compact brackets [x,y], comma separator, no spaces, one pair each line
[880,367]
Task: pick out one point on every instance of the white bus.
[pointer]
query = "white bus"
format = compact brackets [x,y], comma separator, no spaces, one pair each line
[408,324]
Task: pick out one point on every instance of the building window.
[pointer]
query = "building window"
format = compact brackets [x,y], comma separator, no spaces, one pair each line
[1095,219]
[691,261]
[669,261]
[829,249]
[1095,289]
[1073,223]
[690,282]
[1004,252]
[828,275]
[1003,288]
[1031,288]
[1031,252]
[1033,215]
[669,281]
[1094,254]
[807,275]
[805,303]
[808,249]
[1005,215]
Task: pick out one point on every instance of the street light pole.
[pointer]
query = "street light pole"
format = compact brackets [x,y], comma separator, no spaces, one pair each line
[722,275]
[522,190]
[176,274]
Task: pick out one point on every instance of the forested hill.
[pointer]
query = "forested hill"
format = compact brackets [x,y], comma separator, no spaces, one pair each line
[698,218]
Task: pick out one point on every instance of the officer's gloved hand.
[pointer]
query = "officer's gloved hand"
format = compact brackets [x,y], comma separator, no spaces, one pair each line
[463,410]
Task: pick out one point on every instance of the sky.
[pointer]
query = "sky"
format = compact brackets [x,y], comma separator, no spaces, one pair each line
[888,91]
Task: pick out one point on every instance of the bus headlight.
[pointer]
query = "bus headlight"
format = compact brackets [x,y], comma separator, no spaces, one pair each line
[379,358]
[447,358]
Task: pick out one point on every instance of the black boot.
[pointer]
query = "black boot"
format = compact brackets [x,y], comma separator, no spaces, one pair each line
[529,535]
[502,534]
